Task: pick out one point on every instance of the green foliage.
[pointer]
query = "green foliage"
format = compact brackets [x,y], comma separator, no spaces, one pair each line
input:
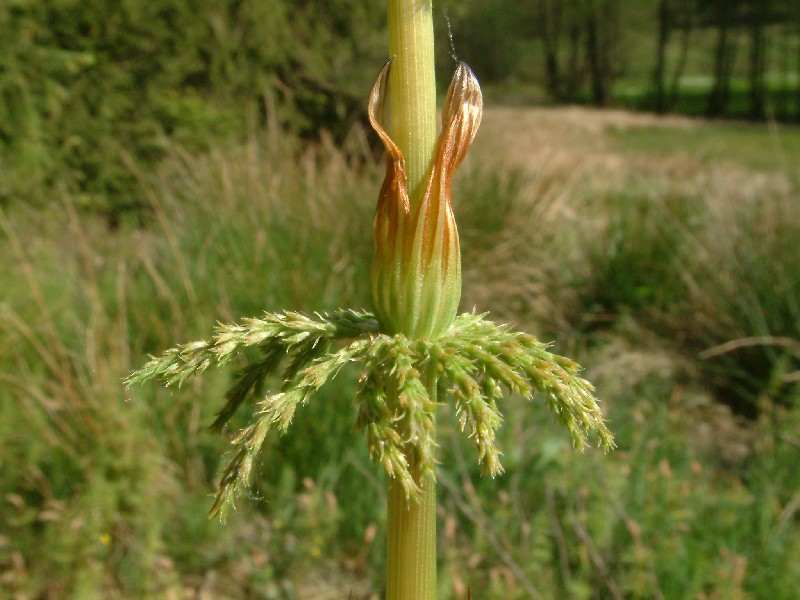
[92,89]
[471,361]
[635,263]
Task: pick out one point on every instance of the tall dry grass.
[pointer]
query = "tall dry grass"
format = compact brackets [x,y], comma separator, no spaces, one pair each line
[703,255]
[106,488]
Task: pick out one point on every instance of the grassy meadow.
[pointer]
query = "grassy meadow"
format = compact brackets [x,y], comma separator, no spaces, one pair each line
[661,253]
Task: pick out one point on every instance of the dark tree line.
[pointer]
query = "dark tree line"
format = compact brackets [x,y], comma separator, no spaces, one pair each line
[755,25]
[745,31]
[583,48]
[580,47]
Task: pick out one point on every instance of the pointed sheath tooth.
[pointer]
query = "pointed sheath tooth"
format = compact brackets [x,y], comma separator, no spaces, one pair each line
[416,271]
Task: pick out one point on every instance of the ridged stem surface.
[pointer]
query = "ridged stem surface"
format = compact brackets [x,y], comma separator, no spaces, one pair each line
[412,88]
[412,125]
[412,541]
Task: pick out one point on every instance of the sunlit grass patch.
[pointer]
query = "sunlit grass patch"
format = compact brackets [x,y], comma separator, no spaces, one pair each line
[774,148]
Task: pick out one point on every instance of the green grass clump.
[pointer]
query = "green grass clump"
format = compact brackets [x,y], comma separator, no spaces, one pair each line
[742,305]
[635,261]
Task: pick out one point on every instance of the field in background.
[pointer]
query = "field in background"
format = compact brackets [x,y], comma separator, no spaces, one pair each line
[662,253]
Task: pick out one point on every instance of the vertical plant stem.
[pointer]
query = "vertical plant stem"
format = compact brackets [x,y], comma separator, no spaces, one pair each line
[412,541]
[412,531]
[412,87]
[412,125]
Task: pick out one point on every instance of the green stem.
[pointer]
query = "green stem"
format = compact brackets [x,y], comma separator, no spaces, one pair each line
[412,541]
[412,529]
[412,126]
[412,87]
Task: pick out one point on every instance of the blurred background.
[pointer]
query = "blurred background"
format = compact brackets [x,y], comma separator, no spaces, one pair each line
[632,195]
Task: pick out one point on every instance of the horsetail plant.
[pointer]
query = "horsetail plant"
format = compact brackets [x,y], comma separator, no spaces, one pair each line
[413,352]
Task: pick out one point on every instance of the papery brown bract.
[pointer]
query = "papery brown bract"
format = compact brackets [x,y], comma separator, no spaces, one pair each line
[416,270]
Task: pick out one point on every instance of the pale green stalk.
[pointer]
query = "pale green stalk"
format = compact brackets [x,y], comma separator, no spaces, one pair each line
[412,539]
[412,87]
[412,125]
